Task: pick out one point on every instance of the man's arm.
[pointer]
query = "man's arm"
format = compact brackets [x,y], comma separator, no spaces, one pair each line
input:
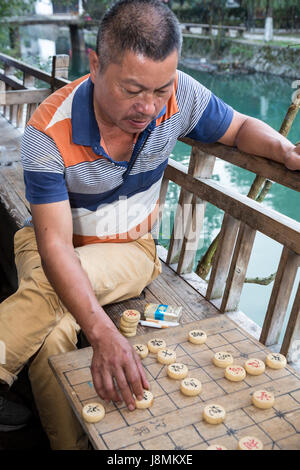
[251,135]
[113,357]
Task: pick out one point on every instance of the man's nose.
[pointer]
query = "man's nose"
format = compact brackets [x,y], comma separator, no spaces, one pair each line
[146,105]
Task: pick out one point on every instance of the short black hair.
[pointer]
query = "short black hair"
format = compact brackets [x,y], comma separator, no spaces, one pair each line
[146,27]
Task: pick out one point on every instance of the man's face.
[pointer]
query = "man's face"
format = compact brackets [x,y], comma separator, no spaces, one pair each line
[129,95]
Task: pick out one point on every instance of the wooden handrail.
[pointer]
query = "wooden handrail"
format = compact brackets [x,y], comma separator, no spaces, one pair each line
[34,71]
[260,166]
[277,226]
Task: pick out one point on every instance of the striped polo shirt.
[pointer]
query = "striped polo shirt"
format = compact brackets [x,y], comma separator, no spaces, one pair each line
[111,201]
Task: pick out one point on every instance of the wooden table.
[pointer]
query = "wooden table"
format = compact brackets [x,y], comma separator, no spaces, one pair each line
[175,421]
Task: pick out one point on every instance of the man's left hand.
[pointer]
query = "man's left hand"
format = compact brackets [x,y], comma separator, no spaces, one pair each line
[292,158]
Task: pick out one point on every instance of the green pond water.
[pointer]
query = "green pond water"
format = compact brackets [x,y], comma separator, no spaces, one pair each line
[262,96]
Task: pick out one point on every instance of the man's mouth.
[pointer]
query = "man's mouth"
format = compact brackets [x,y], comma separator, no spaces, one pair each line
[139,123]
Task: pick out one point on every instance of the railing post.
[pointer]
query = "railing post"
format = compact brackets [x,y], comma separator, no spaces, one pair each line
[190,212]
[238,268]
[280,296]
[291,341]
[222,258]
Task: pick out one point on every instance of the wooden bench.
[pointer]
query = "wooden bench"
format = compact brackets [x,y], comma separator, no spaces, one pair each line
[206,29]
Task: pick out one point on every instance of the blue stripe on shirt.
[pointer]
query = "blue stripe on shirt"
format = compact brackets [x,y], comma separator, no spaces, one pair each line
[45,187]
[214,121]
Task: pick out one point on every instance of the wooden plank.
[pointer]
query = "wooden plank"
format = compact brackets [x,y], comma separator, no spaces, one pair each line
[179,227]
[238,268]
[291,342]
[10,143]
[162,199]
[283,284]
[268,221]
[10,199]
[14,177]
[13,82]
[23,96]
[191,236]
[222,258]
[34,71]
[201,165]
[259,165]
[175,421]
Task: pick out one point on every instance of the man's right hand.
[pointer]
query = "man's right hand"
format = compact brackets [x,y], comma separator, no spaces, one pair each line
[114,358]
[116,368]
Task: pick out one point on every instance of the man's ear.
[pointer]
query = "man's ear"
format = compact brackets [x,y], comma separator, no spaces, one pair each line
[94,65]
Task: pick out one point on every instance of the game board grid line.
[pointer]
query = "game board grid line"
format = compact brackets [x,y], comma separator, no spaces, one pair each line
[261,348]
[205,440]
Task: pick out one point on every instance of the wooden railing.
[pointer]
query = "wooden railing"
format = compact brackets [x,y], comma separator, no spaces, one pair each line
[242,218]
[19,96]
[242,215]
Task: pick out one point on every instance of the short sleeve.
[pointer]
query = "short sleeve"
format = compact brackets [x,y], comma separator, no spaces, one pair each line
[43,168]
[214,121]
[204,116]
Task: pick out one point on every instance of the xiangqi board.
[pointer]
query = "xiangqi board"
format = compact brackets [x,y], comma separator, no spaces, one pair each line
[175,421]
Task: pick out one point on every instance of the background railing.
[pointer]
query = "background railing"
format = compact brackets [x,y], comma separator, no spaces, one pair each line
[19,95]
[243,216]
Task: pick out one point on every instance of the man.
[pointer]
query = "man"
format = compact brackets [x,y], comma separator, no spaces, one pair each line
[93,153]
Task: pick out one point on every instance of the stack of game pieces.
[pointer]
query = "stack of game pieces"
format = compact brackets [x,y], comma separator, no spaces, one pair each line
[129,322]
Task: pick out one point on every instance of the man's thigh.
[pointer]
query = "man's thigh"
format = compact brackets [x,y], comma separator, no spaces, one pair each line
[118,271]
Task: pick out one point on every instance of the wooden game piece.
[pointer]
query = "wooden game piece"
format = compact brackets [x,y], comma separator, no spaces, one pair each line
[93,412]
[235,373]
[197,336]
[222,359]
[263,399]
[250,443]
[155,344]
[166,356]
[142,350]
[131,316]
[275,361]
[254,366]
[146,401]
[127,330]
[177,371]
[128,334]
[127,324]
[216,447]
[214,414]
[190,387]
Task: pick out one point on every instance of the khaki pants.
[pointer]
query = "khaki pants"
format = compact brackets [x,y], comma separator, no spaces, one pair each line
[34,324]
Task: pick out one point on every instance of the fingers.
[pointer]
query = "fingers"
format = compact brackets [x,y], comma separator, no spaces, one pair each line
[125,390]
[142,372]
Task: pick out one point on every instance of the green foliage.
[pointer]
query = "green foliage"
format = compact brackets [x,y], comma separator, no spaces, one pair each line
[93,8]
[12,8]
[15,7]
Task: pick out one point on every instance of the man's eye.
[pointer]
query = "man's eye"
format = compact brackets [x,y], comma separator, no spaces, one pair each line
[161,92]
[131,92]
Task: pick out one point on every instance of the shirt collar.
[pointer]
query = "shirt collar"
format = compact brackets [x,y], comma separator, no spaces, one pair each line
[85,129]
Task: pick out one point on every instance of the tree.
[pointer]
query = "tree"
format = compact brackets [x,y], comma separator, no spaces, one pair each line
[9,36]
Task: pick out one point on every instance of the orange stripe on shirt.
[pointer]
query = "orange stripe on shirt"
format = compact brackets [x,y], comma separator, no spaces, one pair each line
[133,234]
[172,107]
[44,113]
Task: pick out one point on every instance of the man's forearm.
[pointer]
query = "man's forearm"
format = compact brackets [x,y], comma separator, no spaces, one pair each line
[259,138]
[73,287]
